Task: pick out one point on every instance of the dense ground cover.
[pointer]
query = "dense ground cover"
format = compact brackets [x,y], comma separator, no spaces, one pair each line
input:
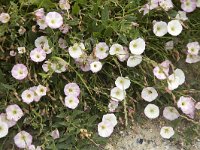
[87,58]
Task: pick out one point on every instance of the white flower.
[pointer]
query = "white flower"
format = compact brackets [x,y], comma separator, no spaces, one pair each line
[180,74]
[54,20]
[116,49]
[32,147]
[174,27]
[27,96]
[160,28]
[41,41]
[23,139]
[71,101]
[192,58]
[134,60]
[117,94]
[72,89]
[38,55]
[198,3]
[167,132]
[151,111]
[113,105]
[55,134]
[173,82]
[111,118]
[123,83]
[105,129]
[42,23]
[75,51]
[170,113]
[101,50]
[137,46]
[13,53]
[64,4]
[3,129]
[14,112]
[123,55]
[4,17]
[149,94]
[47,49]
[41,90]
[3,118]
[36,96]
[193,48]
[95,66]
[166,4]
[169,45]
[181,15]
[21,50]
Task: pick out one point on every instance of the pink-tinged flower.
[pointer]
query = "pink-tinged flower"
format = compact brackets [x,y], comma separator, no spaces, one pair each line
[14,112]
[23,139]
[123,56]
[71,101]
[4,17]
[188,5]
[32,147]
[3,118]
[19,71]
[166,4]
[55,134]
[13,53]
[105,129]
[187,105]
[54,20]
[101,50]
[72,89]
[162,70]
[27,96]
[3,129]
[42,23]
[197,105]
[64,28]
[192,58]
[38,55]
[41,90]
[153,4]
[64,4]
[36,96]
[62,43]
[170,113]
[41,41]
[193,48]
[149,94]
[39,13]
[145,9]
[113,105]
[111,118]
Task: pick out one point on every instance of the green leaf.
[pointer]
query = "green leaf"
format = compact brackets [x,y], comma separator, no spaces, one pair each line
[75,9]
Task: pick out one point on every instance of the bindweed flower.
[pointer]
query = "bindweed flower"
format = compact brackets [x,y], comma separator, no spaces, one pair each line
[47,49]
[41,41]
[36,96]
[65,28]
[187,105]
[151,111]
[71,101]
[162,70]
[14,112]
[192,58]
[124,55]
[149,94]
[54,20]
[41,90]
[3,118]
[160,28]
[134,60]
[167,132]
[170,113]
[42,23]
[180,74]
[117,94]
[32,147]
[188,5]
[122,82]
[181,15]
[19,71]
[55,134]
[145,9]
[173,82]
[23,139]
[153,4]
[21,30]
[193,48]
[105,129]
[4,17]
[137,46]
[21,50]
[198,3]
[101,50]
[62,43]
[72,89]
[166,4]
[75,51]
[39,13]
[95,66]
[116,49]
[111,118]
[3,129]
[169,45]
[64,4]
[113,105]
[13,53]
[174,27]
[38,55]
[27,96]
[197,105]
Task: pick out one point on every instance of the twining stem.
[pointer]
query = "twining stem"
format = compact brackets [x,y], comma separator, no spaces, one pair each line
[125,113]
